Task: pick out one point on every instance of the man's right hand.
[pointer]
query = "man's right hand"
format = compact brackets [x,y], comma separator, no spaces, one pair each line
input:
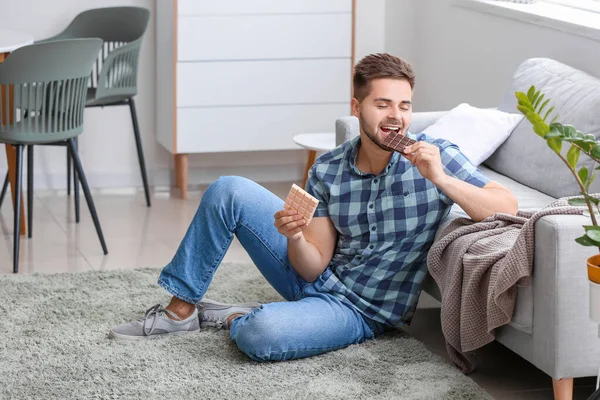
[290,224]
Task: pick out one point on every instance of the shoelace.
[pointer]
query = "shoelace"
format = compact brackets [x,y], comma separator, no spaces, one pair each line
[154,312]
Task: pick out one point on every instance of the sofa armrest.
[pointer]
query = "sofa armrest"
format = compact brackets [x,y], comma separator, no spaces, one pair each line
[346,128]
[422,120]
[565,340]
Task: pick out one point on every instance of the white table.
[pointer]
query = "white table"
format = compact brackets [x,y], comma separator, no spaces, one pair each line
[314,142]
[10,41]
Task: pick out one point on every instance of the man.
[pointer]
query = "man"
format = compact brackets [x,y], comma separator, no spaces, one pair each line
[358,266]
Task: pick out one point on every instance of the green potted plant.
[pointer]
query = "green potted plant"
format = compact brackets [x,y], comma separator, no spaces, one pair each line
[534,107]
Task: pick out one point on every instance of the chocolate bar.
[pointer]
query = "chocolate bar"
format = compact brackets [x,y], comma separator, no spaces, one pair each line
[397,142]
[299,200]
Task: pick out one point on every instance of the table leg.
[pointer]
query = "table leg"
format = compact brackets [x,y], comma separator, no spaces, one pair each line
[312,154]
[181,174]
[11,153]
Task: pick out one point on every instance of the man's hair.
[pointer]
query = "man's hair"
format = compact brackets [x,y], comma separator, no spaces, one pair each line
[376,66]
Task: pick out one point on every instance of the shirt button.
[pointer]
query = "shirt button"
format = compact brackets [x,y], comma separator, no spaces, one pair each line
[358,257]
[375,180]
[371,205]
[373,228]
[371,247]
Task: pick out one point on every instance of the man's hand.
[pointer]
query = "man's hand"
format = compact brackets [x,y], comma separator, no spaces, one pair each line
[426,157]
[290,224]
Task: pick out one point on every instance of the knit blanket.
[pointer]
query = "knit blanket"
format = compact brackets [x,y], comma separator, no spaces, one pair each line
[477,266]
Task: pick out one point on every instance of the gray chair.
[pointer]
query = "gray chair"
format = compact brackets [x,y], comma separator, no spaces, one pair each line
[113,80]
[49,83]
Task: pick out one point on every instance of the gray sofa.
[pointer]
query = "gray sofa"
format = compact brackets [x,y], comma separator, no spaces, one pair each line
[550,327]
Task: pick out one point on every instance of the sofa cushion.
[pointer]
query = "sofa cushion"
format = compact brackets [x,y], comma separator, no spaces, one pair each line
[528,199]
[478,132]
[524,156]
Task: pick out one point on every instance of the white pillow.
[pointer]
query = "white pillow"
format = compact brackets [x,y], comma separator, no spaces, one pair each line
[477,132]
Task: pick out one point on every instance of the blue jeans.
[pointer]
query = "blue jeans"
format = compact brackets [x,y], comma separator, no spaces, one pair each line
[311,321]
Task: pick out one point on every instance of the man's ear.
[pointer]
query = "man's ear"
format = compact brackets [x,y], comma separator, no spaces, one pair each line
[355,107]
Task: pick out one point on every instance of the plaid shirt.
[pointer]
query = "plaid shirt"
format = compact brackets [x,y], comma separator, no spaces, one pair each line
[386,225]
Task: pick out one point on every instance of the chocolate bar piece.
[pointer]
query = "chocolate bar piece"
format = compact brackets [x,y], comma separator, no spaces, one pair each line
[302,202]
[397,142]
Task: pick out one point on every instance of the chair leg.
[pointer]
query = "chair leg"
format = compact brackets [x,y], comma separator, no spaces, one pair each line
[68,173]
[76,185]
[138,143]
[4,188]
[17,221]
[563,388]
[86,191]
[30,190]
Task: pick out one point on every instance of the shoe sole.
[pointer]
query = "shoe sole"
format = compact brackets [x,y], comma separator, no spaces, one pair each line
[128,338]
[215,305]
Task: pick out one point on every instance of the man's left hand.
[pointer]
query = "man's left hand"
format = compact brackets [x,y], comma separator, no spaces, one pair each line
[426,157]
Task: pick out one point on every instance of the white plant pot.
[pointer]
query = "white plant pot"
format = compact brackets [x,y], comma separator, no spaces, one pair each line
[595,302]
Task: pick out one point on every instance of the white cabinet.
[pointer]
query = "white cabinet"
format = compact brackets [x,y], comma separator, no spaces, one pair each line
[248,75]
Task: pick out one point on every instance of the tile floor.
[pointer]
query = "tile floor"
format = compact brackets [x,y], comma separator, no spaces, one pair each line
[138,236]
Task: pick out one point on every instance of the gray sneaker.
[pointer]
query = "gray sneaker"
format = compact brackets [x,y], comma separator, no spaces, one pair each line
[214,314]
[156,323]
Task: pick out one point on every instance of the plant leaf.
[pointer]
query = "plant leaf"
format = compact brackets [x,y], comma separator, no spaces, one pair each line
[595,153]
[586,147]
[543,106]
[555,144]
[536,95]
[523,98]
[569,131]
[577,202]
[585,241]
[573,157]
[524,109]
[554,119]
[548,113]
[531,91]
[593,234]
[583,175]
[587,185]
[592,199]
[538,101]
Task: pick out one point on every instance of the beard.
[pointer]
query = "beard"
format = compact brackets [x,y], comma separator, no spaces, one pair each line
[372,132]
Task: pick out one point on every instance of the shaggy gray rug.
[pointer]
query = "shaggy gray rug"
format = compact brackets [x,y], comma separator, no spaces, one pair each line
[54,344]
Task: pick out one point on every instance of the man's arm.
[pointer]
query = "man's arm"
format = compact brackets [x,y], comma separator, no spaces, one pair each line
[479,203]
[310,248]
[311,252]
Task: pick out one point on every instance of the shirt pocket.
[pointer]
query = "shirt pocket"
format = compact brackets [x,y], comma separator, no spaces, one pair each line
[404,210]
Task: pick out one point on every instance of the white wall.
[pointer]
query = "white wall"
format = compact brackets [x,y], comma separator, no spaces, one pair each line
[461,55]
[107,148]
[370,27]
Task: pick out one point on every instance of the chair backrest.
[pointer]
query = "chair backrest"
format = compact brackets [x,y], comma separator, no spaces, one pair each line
[43,90]
[121,28]
[111,24]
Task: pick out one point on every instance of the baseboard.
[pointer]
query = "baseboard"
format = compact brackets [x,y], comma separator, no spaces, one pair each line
[164,177]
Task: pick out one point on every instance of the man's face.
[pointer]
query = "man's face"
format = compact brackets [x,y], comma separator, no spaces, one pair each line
[387,108]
